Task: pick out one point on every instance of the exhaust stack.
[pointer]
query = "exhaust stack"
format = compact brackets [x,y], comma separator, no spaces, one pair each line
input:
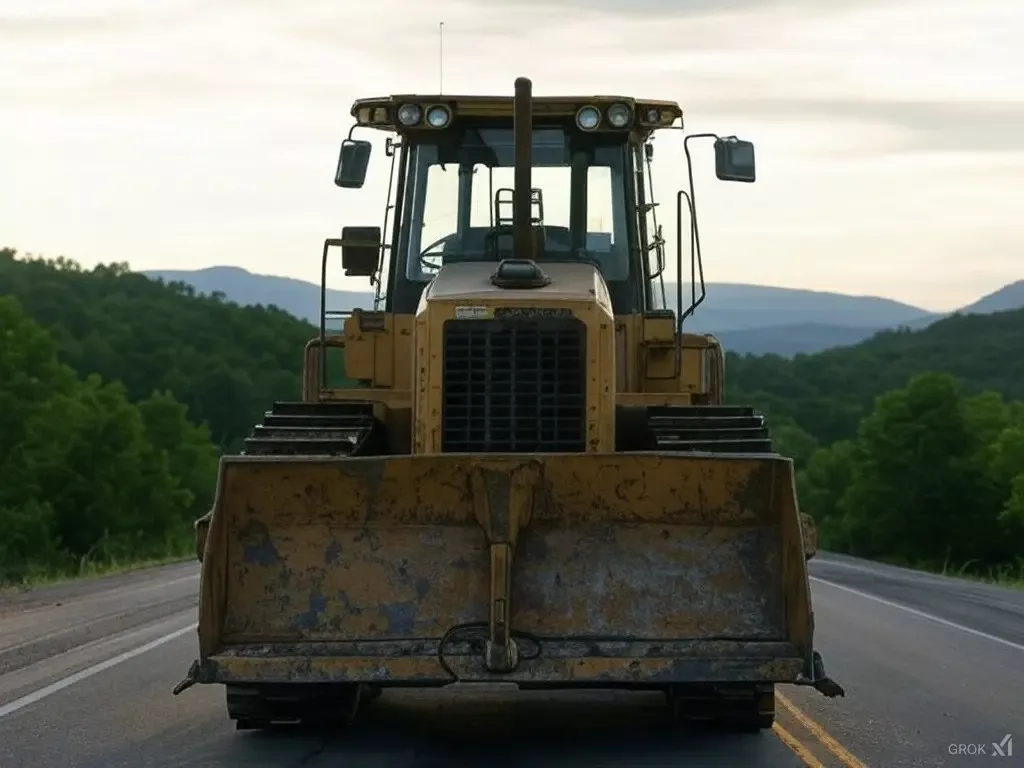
[523,136]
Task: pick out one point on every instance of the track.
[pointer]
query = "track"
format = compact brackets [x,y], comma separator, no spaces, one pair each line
[337,428]
[341,428]
[711,428]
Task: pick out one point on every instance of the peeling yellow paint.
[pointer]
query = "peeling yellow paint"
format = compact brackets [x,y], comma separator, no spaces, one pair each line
[600,552]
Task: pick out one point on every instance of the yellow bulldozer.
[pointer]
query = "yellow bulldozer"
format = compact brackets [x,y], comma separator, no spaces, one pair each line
[530,475]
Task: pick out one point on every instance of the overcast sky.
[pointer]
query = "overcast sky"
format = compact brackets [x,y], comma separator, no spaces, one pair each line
[188,133]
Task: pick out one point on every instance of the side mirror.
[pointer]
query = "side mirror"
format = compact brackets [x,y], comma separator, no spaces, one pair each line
[352,163]
[734,159]
[360,251]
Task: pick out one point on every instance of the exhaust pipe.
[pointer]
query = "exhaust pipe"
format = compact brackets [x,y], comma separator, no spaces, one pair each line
[522,131]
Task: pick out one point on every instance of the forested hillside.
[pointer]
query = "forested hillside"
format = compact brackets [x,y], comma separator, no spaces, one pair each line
[224,362]
[86,474]
[909,446]
[118,392]
[932,477]
[827,394]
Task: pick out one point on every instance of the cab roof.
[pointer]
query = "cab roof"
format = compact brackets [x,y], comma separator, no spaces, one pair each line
[380,111]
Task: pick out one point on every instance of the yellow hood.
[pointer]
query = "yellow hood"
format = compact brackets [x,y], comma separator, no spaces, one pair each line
[472,280]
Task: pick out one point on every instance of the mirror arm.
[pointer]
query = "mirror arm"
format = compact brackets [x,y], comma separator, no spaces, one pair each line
[680,195]
[695,256]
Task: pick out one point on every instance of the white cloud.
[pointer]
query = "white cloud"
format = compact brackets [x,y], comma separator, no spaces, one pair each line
[182,134]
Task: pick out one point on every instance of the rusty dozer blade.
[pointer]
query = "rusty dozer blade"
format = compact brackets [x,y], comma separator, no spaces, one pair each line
[558,570]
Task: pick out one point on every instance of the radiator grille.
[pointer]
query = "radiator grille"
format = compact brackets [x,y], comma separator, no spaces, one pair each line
[514,386]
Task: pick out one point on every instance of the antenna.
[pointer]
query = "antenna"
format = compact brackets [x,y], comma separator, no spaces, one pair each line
[440,58]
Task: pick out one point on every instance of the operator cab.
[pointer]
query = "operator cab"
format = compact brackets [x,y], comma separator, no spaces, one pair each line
[459,199]
[453,185]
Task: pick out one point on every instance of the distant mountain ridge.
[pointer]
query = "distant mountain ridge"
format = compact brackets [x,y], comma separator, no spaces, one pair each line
[752,319]
[1006,298]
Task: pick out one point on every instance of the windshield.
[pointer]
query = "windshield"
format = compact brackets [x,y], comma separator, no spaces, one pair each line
[459,196]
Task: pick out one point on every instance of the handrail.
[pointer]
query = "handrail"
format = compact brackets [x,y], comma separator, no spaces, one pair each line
[314,366]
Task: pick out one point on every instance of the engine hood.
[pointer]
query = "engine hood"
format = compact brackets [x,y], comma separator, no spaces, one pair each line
[472,280]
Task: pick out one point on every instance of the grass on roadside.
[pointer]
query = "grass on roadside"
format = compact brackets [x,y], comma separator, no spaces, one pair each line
[1011,576]
[94,570]
[105,559]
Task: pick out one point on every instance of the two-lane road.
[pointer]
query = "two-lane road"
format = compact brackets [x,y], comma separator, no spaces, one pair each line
[928,663]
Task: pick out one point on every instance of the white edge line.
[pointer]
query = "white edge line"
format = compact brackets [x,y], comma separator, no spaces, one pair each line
[882,570]
[873,568]
[77,677]
[915,612]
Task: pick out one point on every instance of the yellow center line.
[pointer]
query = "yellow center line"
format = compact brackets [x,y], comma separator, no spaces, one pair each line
[805,755]
[820,733]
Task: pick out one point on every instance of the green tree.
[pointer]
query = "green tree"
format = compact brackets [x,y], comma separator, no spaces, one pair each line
[189,452]
[821,485]
[1008,471]
[920,487]
[225,363]
[827,394]
[792,441]
[87,474]
[29,375]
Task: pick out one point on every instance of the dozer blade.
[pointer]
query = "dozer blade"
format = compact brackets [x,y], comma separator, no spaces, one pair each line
[641,569]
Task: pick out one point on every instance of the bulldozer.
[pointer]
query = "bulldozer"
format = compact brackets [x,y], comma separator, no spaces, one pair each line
[527,473]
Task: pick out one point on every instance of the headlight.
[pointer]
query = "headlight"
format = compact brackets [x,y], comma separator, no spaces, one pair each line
[619,115]
[653,115]
[588,118]
[409,114]
[439,116]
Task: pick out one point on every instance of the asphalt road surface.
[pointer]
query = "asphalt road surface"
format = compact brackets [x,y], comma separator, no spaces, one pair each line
[932,667]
